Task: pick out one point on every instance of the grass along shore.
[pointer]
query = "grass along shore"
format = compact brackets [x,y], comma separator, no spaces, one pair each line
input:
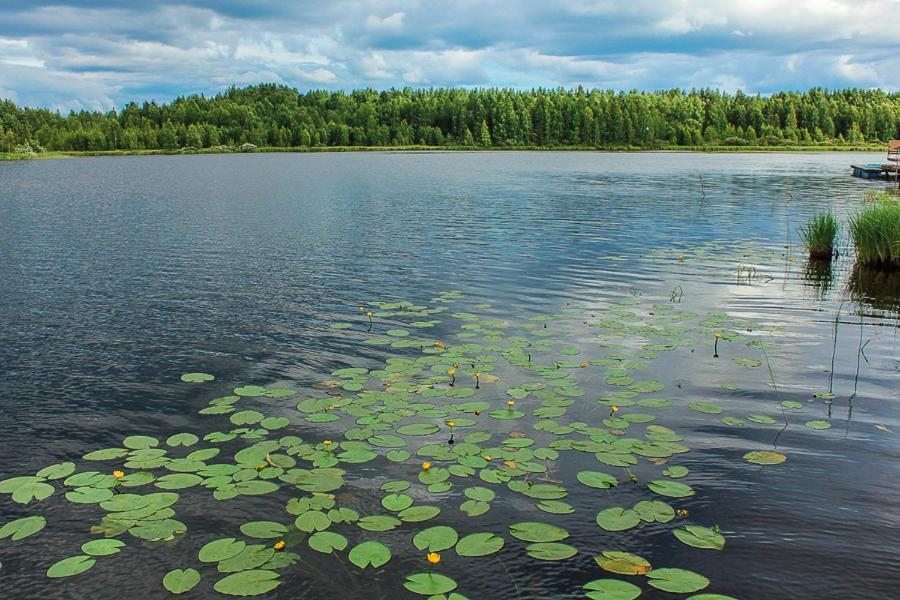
[867,147]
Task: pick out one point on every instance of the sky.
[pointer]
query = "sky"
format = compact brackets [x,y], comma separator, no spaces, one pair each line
[100,54]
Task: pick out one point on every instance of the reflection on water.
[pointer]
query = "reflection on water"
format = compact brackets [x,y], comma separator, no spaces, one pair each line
[876,288]
[118,275]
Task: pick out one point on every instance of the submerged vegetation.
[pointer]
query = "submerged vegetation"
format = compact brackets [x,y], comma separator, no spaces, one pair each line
[875,231]
[271,116]
[492,410]
[820,235]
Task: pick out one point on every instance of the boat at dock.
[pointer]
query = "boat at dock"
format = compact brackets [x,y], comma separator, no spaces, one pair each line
[886,171]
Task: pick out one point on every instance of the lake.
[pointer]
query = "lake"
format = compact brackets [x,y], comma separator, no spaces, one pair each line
[589,291]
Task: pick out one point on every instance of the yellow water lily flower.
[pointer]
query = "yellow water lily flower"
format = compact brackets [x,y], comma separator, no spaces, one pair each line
[426,465]
[279,545]
[613,409]
[487,457]
[450,424]
[118,474]
[682,512]
[510,403]
[433,558]
[370,314]
[717,335]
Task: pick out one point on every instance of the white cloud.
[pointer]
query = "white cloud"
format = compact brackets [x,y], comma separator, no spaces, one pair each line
[18,52]
[392,24]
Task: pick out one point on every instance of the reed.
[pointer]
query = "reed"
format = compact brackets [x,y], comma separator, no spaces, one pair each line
[820,235]
[875,231]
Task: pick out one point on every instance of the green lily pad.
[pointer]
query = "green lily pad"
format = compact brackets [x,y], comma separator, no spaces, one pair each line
[555,507]
[654,510]
[677,581]
[251,391]
[617,519]
[370,554]
[765,457]
[197,377]
[479,544]
[700,537]
[810,424]
[248,583]
[74,565]
[761,419]
[482,494]
[673,489]
[436,539]
[379,523]
[327,541]
[179,581]
[611,589]
[551,551]
[429,584]
[89,495]
[537,532]
[396,502]
[264,529]
[140,442]
[22,528]
[252,556]
[182,439]
[675,471]
[57,471]
[705,407]
[221,549]
[416,514]
[106,547]
[597,479]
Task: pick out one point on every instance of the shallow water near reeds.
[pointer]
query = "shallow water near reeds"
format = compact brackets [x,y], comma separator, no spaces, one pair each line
[572,282]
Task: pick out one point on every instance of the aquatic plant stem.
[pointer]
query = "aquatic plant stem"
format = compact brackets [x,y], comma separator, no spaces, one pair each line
[775,386]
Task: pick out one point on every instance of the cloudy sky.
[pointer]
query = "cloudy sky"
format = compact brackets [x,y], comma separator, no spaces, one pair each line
[97,54]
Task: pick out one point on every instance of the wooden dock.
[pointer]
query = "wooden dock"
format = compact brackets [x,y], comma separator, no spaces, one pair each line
[875,171]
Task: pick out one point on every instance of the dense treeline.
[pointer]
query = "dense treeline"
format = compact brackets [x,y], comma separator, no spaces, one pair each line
[271,115]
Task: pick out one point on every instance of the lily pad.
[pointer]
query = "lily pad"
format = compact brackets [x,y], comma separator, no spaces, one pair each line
[537,532]
[73,565]
[327,541]
[479,544]
[221,549]
[765,457]
[106,547]
[22,528]
[597,479]
[677,581]
[700,537]
[429,584]
[617,519]
[370,554]
[551,551]
[197,377]
[436,539]
[673,489]
[623,563]
[611,589]
[179,581]
[248,583]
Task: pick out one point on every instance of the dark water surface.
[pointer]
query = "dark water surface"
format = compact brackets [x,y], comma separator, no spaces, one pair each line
[117,275]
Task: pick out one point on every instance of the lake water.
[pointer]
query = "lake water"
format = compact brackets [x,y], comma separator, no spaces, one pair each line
[118,275]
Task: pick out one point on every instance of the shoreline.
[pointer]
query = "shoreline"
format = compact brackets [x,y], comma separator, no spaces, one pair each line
[879,147]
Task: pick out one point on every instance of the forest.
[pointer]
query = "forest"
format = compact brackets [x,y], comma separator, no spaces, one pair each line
[277,116]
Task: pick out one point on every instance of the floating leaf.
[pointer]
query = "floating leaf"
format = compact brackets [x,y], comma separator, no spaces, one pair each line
[102,547]
[57,471]
[481,494]
[22,528]
[675,471]
[654,510]
[429,584]
[551,551]
[378,523]
[221,549]
[252,556]
[370,554]
[263,529]
[197,377]
[73,565]
[436,539]
[479,544]
[182,439]
[810,424]
[617,519]
[700,537]
[765,457]
[611,589]
[327,541]
[555,507]
[416,514]
[178,481]
[396,502]
[677,581]
[179,581]
[623,563]
[597,479]
[537,532]
[248,583]
[761,419]
[140,442]
[673,489]
[705,407]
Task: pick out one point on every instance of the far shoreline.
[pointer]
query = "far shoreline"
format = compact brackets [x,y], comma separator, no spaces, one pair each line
[872,147]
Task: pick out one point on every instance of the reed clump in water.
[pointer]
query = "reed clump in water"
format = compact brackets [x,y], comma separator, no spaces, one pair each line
[820,235]
[875,231]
